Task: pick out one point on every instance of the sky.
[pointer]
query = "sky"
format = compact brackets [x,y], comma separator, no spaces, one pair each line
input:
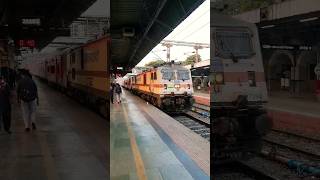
[195,28]
[101,8]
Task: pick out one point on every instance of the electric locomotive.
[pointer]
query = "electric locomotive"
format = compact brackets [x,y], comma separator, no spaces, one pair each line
[168,87]
[239,90]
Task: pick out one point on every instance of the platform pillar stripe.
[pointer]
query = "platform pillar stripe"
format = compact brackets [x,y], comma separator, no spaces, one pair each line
[135,149]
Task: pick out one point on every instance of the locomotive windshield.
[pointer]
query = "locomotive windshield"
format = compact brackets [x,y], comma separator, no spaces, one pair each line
[167,74]
[234,44]
[183,75]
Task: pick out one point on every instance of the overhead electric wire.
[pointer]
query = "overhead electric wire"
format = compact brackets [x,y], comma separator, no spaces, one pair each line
[179,33]
[157,55]
[196,30]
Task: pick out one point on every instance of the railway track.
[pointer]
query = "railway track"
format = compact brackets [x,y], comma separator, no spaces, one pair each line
[272,164]
[240,171]
[198,126]
[300,147]
[302,153]
[296,135]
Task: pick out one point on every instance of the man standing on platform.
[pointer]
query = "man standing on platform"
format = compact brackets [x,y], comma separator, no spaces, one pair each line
[111,92]
[118,91]
[5,106]
[27,94]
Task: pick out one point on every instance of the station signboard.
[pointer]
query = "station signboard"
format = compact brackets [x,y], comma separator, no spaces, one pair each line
[31,21]
[26,43]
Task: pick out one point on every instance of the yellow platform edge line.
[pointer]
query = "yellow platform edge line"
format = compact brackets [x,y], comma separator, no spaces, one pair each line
[49,164]
[135,149]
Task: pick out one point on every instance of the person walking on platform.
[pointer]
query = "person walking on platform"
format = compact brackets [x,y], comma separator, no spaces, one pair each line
[5,105]
[118,91]
[111,92]
[13,79]
[27,94]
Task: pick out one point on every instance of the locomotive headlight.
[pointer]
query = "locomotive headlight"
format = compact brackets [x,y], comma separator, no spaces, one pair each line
[189,86]
[218,77]
[165,86]
[177,86]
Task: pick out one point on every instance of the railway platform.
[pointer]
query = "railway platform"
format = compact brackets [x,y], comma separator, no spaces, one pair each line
[70,142]
[296,115]
[202,98]
[146,143]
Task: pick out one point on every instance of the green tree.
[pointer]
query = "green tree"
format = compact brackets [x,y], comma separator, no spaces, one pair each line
[154,63]
[191,59]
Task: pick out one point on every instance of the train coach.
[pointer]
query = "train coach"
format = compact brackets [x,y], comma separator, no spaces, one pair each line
[79,71]
[168,87]
[128,81]
[239,90]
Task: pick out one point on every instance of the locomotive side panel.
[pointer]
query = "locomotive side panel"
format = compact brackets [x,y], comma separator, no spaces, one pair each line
[89,68]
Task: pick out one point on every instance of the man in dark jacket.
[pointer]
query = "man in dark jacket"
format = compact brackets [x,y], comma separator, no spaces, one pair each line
[27,94]
[111,92]
[5,106]
[118,91]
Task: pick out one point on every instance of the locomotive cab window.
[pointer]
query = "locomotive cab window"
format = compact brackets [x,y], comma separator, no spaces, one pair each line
[233,43]
[183,75]
[167,74]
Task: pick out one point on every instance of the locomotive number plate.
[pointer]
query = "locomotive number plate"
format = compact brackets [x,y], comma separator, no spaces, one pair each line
[170,86]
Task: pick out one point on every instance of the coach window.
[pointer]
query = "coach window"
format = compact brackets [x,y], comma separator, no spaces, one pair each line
[52,70]
[73,74]
[252,78]
[73,58]
[151,76]
[155,76]
[145,79]
[82,59]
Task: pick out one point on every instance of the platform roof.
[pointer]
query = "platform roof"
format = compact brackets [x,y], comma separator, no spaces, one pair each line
[55,17]
[151,20]
[290,23]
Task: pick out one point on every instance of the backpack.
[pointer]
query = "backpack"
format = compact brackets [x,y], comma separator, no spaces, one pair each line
[118,89]
[28,92]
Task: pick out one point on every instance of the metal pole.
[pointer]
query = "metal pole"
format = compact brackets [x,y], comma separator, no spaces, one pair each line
[197,58]
[168,53]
